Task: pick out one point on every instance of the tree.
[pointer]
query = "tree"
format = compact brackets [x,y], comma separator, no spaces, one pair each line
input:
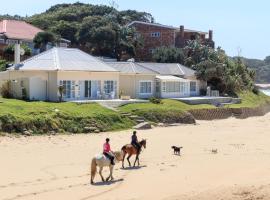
[98,34]
[267,60]
[127,42]
[97,29]
[66,30]
[3,65]
[217,69]
[169,55]
[10,50]
[42,39]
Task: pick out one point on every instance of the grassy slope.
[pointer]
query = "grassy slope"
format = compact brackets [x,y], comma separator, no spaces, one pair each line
[43,116]
[166,105]
[173,108]
[169,111]
[251,100]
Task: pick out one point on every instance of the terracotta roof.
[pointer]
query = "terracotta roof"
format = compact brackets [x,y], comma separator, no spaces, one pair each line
[14,29]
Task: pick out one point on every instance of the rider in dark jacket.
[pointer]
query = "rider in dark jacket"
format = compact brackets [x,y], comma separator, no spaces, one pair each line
[134,141]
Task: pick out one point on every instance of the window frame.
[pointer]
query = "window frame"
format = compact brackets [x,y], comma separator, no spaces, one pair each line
[140,87]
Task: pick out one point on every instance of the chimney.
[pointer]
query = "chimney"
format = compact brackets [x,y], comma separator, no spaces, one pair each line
[210,35]
[182,31]
[17,53]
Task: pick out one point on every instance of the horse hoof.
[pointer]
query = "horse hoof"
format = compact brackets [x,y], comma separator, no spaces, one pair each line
[92,182]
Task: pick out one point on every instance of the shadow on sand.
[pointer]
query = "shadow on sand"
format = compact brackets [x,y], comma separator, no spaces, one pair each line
[108,182]
[134,168]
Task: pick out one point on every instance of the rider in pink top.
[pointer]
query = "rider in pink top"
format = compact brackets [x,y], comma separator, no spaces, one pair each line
[107,150]
[106,147]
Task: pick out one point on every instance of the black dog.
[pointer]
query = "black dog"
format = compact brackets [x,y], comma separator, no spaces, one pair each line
[176,150]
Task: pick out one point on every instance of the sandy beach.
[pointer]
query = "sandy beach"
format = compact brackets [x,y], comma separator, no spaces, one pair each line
[57,167]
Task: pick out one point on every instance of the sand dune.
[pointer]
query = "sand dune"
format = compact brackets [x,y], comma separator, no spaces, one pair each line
[48,168]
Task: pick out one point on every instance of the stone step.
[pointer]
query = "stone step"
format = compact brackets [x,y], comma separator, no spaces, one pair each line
[140,120]
[126,115]
[134,117]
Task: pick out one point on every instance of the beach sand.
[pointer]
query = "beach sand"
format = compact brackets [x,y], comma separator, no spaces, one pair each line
[57,167]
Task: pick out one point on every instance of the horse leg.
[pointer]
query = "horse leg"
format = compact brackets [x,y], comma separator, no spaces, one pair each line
[100,173]
[138,160]
[135,160]
[110,176]
[128,159]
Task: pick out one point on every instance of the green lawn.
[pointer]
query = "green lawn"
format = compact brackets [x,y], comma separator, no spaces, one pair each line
[41,117]
[172,109]
[167,104]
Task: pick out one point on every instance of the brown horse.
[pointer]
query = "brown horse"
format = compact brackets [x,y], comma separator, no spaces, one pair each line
[131,150]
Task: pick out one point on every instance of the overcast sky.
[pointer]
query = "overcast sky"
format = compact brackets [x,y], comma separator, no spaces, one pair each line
[237,24]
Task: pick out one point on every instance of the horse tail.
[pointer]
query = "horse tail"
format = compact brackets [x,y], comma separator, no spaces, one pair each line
[93,169]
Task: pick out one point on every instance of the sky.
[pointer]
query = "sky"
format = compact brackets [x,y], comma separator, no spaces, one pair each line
[240,26]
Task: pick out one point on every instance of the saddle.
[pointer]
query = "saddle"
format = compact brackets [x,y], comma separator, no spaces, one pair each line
[101,157]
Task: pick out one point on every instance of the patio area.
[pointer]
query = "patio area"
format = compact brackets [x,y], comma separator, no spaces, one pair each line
[112,103]
[209,100]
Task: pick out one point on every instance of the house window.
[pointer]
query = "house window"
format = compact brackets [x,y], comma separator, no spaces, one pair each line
[182,88]
[108,87]
[171,87]
[9,41]
[69,88]
[164,87]
[22,84]
[152,51]
[155,34]
[145,87]
[193,86]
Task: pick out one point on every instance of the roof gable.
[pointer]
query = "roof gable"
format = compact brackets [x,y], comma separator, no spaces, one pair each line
[169,69]
[130,68]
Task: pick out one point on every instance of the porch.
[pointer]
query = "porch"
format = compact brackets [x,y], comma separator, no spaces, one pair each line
[111,103]
[209,100]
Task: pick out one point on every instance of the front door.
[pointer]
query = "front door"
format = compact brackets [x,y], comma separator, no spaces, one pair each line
[87,89]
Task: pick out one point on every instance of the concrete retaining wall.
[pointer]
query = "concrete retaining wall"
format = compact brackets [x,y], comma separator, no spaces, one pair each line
[223,113]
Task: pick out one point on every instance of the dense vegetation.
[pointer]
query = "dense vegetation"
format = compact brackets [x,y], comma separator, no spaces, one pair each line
[261,67]
[97,29]
[222,73]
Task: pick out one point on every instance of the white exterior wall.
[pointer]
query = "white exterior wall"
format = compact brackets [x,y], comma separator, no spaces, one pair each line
[37,89]
[130,85]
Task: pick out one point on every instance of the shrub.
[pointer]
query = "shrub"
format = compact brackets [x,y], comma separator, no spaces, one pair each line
[256,90]
[10,50]
[5,90]
[24,94]
[155,100]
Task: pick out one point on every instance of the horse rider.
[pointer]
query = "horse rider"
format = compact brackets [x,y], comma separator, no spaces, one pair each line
[134,142]
[107,151]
